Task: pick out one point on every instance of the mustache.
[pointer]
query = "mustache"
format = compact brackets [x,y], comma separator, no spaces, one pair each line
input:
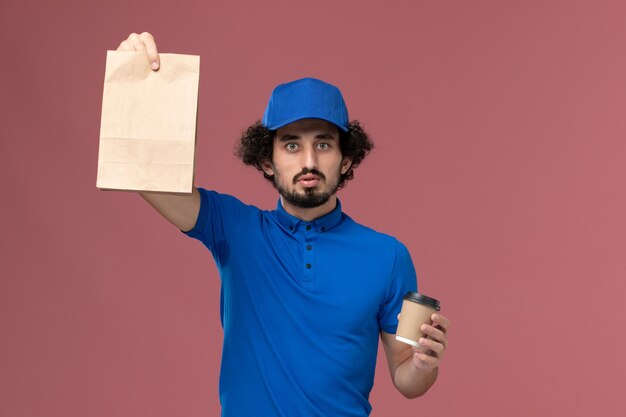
[306,171]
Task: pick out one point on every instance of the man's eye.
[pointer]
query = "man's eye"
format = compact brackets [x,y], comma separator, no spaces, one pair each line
[323,146]
[291,146]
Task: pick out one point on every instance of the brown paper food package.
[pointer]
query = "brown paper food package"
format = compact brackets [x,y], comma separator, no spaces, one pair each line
[148,125]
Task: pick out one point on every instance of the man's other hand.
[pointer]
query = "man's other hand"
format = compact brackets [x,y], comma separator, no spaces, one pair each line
[433,346]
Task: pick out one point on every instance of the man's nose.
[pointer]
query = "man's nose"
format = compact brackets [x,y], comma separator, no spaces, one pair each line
[309,158]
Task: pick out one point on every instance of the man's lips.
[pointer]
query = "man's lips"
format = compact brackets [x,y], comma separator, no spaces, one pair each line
[308,177]
[309,180]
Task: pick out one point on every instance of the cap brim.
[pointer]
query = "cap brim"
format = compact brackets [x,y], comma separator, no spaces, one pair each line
[284,123]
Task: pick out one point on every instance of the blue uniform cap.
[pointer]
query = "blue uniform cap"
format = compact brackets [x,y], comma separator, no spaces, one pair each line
[305,98]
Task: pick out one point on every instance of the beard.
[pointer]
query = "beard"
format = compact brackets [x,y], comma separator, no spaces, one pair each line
[310,198]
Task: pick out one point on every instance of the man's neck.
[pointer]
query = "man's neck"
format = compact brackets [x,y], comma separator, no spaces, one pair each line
[309,214]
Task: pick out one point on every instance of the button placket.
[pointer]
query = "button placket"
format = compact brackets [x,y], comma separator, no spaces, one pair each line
[309,257]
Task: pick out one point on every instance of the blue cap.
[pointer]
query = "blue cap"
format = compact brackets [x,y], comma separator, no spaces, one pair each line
[305,98]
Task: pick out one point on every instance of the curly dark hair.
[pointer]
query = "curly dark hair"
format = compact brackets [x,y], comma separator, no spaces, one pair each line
[256,145]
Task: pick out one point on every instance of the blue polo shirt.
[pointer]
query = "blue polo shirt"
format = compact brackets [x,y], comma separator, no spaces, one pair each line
[302,305]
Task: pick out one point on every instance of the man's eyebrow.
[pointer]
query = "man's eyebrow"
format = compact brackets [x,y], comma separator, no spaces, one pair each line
[287,137]
[327,135]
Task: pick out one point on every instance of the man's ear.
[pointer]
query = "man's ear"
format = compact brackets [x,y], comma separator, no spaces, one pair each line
[267,168]
[346,163]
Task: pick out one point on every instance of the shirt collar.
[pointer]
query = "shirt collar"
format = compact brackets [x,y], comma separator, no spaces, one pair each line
[321,224]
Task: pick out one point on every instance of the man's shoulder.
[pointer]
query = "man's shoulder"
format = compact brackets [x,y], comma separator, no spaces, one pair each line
[224,198]
[227,205]
[381,250]
[370,234]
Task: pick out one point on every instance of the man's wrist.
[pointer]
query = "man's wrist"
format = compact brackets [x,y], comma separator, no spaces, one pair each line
[412,381]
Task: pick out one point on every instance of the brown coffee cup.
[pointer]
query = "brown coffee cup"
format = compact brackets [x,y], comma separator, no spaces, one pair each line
[416,310]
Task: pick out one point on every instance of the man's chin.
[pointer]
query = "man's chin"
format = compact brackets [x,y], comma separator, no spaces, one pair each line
[307,192]
[308,199]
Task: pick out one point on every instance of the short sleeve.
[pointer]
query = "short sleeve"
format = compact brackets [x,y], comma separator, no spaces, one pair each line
[219,214]
[402,280]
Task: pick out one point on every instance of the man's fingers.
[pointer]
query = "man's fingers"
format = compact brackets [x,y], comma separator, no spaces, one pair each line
[424,361]
[125,46]
[442,321]
[435,333]
[132,43]
[143,42]
[137,43]
[151,49]
[433,345]
[420,349]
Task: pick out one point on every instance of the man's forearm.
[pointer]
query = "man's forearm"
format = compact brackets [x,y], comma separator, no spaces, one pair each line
[413,382]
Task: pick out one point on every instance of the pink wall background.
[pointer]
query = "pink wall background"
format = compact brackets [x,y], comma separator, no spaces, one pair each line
[499,128]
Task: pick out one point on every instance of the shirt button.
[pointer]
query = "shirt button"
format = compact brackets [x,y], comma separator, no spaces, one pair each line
[323,229]
[290,227]
[309,247]
[308,266]
[308,227]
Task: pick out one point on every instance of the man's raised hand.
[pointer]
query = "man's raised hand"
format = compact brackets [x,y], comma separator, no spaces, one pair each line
[142,42]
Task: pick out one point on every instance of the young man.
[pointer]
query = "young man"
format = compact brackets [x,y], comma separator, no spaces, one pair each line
[306,291]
